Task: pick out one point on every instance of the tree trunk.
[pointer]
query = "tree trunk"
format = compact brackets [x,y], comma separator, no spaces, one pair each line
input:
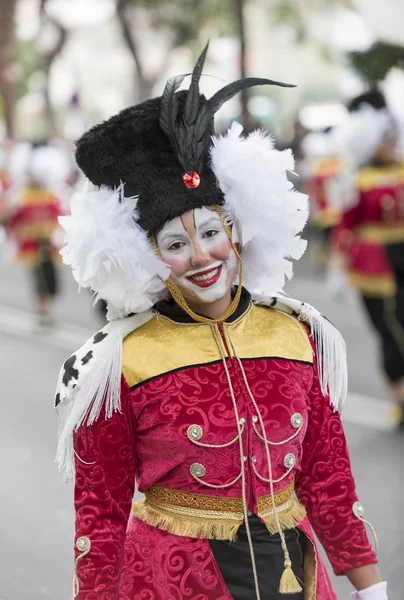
[144,86]
[7,64]
[239,9]
[48,61]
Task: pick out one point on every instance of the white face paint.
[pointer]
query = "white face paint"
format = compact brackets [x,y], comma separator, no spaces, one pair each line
[200,254]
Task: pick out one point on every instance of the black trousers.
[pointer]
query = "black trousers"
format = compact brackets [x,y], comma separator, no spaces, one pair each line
[45,279]
[395,253]
[234,561]
[387,318]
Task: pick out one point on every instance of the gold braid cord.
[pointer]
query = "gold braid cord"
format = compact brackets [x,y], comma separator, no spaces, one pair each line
[289,583]
[358,511]
[83,545]
[179,298]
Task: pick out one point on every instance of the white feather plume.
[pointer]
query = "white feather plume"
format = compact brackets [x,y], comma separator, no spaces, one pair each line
[260,201]
[318,144]
[49,165]
[110,253]
[361,134]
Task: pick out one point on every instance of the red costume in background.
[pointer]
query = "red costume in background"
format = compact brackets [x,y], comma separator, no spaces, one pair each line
[32,224]
[316,186]
[177,436]
[376,221]
[364,237]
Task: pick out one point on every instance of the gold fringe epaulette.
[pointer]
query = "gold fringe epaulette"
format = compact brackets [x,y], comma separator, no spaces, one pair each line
[289,516]
[219,527]
[211,517]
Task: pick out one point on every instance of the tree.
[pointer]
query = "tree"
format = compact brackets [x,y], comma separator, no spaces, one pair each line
[296,12]
[374,64]
[49,55]
[239,10]
[7,63]
[179,21]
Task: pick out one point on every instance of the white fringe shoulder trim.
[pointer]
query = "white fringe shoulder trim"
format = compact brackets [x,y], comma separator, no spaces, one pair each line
[330,346]
[88,381]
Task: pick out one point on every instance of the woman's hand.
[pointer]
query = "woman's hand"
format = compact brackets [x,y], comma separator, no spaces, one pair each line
[378,591]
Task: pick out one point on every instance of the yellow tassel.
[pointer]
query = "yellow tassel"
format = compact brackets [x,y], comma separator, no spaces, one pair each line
[288,583]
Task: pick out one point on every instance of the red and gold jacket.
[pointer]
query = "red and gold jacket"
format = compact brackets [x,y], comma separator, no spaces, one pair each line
[189,434]
[322,212]
[364,231]
[33,222]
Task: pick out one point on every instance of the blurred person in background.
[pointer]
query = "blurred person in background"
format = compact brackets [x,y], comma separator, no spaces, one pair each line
[4,181]
[320,166]
[369,241]
[224,410]
[33,221]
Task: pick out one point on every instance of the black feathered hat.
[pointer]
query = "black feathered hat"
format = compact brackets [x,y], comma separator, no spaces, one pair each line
[159,149]
[374,98]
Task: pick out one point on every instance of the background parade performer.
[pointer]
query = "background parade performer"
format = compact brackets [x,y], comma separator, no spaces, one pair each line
[369,241]
[321,165]
[224,409]
[33,221]
[4,182]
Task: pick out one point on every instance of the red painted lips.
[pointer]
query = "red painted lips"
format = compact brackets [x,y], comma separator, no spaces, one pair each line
[206,278]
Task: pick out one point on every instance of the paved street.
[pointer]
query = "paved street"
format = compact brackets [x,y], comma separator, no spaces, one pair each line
[36,518]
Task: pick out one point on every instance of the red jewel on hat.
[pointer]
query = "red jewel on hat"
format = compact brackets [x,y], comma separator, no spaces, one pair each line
[191,179]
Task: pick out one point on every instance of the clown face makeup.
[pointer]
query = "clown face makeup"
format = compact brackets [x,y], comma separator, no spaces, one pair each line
[202,260]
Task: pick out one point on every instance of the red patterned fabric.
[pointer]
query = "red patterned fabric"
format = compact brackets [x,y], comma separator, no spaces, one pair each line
[324,484]
[161,565]
[103,497]
[149,438]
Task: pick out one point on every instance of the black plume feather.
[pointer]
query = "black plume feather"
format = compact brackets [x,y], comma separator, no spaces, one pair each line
[169,110]
[213,104]
[190,135]
[230,90]
[192,103]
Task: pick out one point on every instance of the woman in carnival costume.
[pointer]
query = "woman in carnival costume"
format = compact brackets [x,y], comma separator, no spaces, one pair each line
[369,240]
[221,403]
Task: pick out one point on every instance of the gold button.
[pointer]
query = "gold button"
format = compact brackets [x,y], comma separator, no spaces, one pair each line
[197,470]
[296,420]
[358,510]
[83,544]
[289,460]
[194,432]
